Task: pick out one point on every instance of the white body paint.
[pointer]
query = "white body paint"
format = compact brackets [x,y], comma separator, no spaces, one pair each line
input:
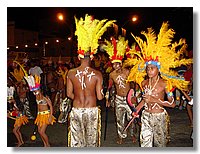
[120,81]
[81,76]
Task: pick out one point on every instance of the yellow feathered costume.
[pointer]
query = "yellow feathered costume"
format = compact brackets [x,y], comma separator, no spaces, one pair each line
[116,49]
[160,51]
[18,74]
[88,33]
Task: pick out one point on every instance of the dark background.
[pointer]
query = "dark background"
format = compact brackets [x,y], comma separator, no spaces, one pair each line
[180,18]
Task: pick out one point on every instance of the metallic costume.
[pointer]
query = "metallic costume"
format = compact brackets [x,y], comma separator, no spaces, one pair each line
[122,109]
[85,127]
[43,118]
[27,111]
[57,102]
[112,96]
[65,108]
[154,129]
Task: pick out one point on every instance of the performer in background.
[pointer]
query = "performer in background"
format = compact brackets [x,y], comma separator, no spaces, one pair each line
[116,50]
[15,112]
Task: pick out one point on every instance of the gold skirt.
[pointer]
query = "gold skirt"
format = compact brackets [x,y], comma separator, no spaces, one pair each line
[22,119]
[43,118]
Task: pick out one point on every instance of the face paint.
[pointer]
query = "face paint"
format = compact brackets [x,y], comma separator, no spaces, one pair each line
[116,66]
[36,92]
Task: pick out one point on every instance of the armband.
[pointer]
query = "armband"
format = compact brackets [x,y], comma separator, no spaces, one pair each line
[102,92]
[191,102]
[183,98]
[170,94]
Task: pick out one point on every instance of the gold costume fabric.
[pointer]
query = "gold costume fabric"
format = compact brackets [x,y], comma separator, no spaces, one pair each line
[21,119]
[85,127]
[57,101]
[122,110]
[43,118]
[154,129]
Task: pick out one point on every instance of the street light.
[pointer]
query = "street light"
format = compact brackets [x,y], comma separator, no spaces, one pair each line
[134,19]
[60,16]
[67,22]
[44,48]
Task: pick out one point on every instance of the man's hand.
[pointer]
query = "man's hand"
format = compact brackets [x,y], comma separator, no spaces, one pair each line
[107,99]
[135,114]
[107,103]
[146,97]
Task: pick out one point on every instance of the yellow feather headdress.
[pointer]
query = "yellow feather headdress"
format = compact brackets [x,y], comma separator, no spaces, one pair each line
[18,73]
[160,51]
[116,49]
[88,32]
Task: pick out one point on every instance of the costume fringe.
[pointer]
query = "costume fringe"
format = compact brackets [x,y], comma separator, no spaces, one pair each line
[168,128]
[69,132]
[99,127]
[43,119]
[21,120]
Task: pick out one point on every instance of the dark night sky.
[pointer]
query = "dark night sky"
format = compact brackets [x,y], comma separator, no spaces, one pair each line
[180,18]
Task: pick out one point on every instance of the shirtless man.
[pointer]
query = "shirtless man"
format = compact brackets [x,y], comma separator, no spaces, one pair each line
[60,87]
[118,78]
[154,117]
[84,87]
[51,83]
[158,55]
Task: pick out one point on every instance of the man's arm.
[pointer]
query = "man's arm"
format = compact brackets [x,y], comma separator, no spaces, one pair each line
[110,83]
[99,87]
[170,97]
[187,96]
[70,91]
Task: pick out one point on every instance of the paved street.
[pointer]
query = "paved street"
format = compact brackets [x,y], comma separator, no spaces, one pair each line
[179,132]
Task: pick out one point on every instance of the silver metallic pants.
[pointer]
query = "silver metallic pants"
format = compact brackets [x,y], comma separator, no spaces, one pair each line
[57,101]
[27,111]
[122,110]
[85,127]
[65,108]
[154,129]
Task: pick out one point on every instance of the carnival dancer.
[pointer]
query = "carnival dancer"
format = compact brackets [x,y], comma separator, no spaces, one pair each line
[188,75]
[84,85]
[62,102]
[51,80]
[16,113]
[116,50]
[190,99]
[157,56]
[60,87]
[22,88]
[45,109]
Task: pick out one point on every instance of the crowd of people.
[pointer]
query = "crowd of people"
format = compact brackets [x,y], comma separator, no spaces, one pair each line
[137,81]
